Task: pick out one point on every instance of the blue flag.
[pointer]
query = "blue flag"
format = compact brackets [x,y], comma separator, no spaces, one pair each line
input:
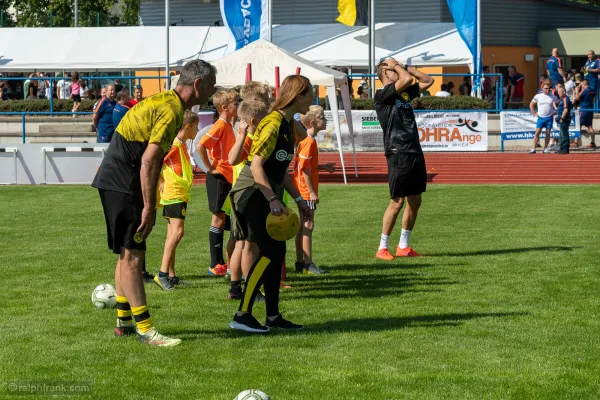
[248,20]
[464,13]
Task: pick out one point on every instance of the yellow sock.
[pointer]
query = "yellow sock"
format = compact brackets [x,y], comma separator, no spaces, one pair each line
[123,309]
[142,318]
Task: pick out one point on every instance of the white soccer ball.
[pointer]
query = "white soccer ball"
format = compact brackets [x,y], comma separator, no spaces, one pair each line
[104,296]
[252,394]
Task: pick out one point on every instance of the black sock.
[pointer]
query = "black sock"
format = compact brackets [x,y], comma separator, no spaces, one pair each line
[215,240]
[236,287]
[163,274]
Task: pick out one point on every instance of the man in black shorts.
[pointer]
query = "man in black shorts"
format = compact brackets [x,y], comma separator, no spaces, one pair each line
[407,174]
[127,181]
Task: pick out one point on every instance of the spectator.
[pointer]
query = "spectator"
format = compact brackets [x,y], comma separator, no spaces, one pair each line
[84,89]
[26,86]
[465,88]
[103,118]
[118,86]
[486,86]
[545,109]
[138,95]
[43,86]
[586,103]
[33,90]
[75,92]
[543,78]
[555,69]
[592,68]
[570,86]
[444,92]
[517,83]
[450,88]
[2,92]
[63,87]
[121,107]
[362,93]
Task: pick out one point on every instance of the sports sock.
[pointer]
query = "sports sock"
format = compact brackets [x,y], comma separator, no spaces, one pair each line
[215,240]
[163,274]
[404,238]
[383,244]
[235,286]
[123,310]
[142,318]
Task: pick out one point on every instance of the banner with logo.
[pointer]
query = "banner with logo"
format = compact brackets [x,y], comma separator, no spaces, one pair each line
[248,20]
[521,126]
[437,131]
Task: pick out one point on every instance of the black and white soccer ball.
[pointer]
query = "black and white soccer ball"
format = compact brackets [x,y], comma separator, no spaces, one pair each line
[252,394]
[104,296]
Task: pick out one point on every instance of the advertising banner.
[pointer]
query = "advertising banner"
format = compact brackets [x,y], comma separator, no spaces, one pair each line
[437,131]
[521,126]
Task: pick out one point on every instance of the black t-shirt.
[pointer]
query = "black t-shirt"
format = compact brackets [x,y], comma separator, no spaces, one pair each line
[397,119]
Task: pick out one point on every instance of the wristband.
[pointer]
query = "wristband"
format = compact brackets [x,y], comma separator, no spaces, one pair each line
[272,199]
[298,199]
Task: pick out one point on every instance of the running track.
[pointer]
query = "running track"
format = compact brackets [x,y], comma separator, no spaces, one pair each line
[473,168]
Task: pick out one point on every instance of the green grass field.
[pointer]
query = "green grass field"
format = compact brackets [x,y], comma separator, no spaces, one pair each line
[504,306]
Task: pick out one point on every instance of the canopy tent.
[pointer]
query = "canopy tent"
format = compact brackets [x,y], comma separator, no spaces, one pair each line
[121,48]
[264,56]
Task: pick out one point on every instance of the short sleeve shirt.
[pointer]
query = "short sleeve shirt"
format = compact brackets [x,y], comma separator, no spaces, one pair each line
[586,99]
[307,162]
[397,119]
[157,120]
[219,140]
[591,77]
[562,104]
[545,104]
[552,65]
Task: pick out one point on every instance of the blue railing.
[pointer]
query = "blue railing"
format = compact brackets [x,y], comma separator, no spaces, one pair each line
[51,94]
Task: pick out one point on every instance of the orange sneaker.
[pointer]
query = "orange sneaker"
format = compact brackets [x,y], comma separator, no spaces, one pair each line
[407,252]
[384,254]
[219,270]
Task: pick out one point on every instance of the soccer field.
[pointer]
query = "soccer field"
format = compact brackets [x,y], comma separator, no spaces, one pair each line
[503,306]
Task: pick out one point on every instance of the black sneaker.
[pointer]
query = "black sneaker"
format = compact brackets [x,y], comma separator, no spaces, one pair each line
[247,322]
[314,270]
[299,266]
[148,277]
[282,323]
[175,281]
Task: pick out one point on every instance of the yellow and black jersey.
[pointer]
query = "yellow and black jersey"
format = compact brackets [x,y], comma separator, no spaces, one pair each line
[156,119]
[274,140]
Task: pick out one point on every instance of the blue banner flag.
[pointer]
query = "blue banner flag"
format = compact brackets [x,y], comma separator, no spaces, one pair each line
[248,20]
[464,13]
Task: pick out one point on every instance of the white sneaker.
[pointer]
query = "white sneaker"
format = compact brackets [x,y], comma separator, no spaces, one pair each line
[153,338]
[546,151]
[532,151]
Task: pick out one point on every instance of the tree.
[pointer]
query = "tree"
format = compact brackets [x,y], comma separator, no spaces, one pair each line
[35,13]
[5,18]
[130,12]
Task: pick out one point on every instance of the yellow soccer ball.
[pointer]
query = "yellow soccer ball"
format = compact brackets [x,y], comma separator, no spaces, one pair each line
[283,227]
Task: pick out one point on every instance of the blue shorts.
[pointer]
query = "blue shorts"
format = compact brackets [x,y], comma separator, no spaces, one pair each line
[544,122]
[587,118]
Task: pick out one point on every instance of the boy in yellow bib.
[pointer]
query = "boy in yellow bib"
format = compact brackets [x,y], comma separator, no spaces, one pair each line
[175,185]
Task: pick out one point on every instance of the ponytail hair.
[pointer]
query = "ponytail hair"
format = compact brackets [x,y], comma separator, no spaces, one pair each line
[292,87]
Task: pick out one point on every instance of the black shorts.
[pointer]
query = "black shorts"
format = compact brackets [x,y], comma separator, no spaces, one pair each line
[177,210]
[76,98]
[217,190]
[123,214]
[407,174]
[251,225]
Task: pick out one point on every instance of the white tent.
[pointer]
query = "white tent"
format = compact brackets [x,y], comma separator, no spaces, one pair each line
[264,56]
[142,47]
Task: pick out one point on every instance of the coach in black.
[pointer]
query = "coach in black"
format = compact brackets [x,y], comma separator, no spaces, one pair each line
[407,175]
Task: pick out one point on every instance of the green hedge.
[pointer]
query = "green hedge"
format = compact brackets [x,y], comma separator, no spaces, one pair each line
[44,105]
[430,103]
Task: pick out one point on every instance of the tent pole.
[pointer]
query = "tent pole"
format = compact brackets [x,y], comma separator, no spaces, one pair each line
[168,80]
[479,69]
[270,6]
[372,46]
[276,82]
